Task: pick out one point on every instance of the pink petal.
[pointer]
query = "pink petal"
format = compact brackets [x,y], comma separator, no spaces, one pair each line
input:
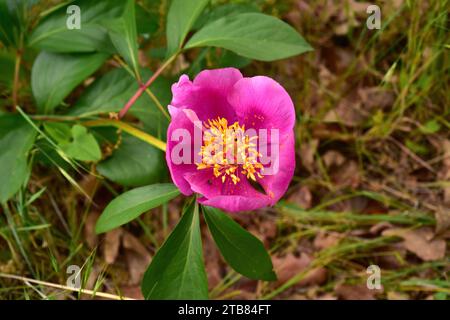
[207,94]
[262,103]
[227,196]
[235,203]
[257,103]
[276,185]
[181,120]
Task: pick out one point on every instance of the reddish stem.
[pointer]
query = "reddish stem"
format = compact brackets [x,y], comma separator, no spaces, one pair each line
[144,86]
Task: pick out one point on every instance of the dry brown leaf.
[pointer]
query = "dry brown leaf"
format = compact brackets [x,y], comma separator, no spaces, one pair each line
[348,175]
[357,107]
[347,112]
[302,197]
[144,61]
[89,183]
[88,81]
[442,216]
[111,245]
[289,266]
[355,204]
[333,158]
[264,229]
[376,97]
[267,230]
[180,64]
[89,229]
[327,296]
[325,76]
[137,265]
[355,292]
[325,239]
[307,151]
[133,292]
[132,243]
[420,242]
[342,29]
[348,17]
[359,7]
[92,280]
[444,173]
[213,262]
[337,59]
[396,4]
[380,227]
[393,257]
[137,257]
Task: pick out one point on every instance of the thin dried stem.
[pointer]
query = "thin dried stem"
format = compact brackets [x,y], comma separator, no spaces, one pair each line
[62,287]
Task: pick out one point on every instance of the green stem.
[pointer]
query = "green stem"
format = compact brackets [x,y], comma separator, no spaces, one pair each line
[128,129]
[16,78]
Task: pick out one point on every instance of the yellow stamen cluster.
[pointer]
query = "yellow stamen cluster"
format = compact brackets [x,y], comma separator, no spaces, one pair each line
[227,149]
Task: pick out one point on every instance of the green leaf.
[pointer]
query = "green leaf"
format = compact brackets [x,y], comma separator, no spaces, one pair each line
[8,24]
[55,75]
[7,65]
[230,59]
[52,33]
[181,17]
[147,22]
[16,139]
[133,203]
[123,35]
[109,93]
[222,59]
[112,91]
[252,35]
[416,147]
[153,119]
[430,127]
[106,26]
[83,147]
[47,155]
[106,135]
[177,270]
[59,131]
[243,251]
[222,11]
[13,21]
[135,163]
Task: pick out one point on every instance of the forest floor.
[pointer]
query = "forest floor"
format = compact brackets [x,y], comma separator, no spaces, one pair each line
[371,187]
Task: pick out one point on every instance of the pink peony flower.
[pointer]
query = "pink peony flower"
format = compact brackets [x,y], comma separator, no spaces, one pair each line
[228,165]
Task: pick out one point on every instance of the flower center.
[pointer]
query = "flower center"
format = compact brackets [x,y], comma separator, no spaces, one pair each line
[228,149]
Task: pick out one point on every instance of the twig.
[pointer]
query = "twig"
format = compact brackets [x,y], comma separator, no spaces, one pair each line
[412,155]
[62,287]
[143,87]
